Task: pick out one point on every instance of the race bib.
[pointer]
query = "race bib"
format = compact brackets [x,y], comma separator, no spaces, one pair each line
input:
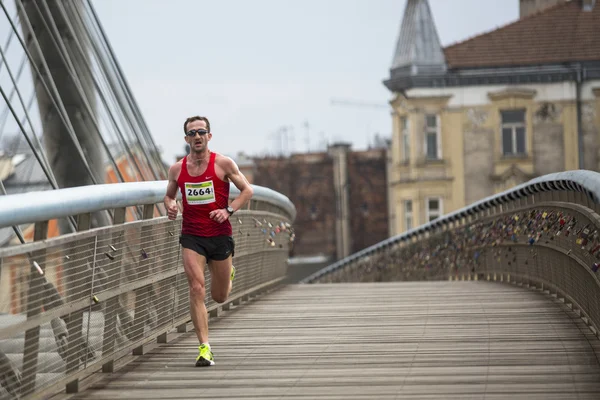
[200,193]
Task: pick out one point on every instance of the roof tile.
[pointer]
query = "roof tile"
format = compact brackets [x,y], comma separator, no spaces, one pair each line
[559,34]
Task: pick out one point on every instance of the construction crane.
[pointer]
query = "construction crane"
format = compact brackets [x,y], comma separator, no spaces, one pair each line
[363,104]
[354,103]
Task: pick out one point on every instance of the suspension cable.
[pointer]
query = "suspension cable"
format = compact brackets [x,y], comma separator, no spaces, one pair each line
[57,102]
[48,174]
[123,81]
[74,35]
[4,115]
[119,92]
[69,67]
[8,41]
[44,160]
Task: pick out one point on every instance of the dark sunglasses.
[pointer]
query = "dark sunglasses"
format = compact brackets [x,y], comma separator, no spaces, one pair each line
[193,132]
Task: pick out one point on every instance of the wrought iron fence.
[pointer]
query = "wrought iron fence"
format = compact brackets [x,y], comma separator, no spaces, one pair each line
[543,234]
[73,304]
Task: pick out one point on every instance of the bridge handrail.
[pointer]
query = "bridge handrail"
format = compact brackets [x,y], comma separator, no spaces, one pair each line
[26,208]
[586,182]
[82,300]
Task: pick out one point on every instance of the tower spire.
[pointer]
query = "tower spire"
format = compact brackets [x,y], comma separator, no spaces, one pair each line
[418,49]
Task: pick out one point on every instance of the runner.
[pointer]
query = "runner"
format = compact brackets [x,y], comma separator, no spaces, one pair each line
[203,177]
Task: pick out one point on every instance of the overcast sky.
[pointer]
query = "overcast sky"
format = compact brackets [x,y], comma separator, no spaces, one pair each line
[255,66]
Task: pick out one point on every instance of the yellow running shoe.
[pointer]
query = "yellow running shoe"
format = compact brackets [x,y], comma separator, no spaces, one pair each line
[205,357]
[232,272]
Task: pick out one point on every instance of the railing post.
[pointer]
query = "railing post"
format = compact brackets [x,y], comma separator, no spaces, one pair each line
[34,303]
[142,296]
[167,289]
[75,320]
[112,304]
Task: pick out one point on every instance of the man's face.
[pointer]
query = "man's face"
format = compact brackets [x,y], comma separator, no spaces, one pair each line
[197,136]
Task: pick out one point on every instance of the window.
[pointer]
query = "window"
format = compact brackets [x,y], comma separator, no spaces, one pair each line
[404,127]
[513,132]
[432,137]
[408,214]
[433,208]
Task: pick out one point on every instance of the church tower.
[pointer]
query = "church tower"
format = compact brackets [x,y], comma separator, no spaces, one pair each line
[418,50]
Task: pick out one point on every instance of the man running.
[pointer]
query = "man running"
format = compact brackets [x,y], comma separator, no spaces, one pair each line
[203,177]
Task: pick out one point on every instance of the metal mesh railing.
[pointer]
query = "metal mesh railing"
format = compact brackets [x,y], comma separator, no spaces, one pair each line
[545,234]
[75,303]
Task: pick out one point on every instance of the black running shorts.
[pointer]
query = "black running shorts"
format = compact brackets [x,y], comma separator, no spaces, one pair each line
[216,248]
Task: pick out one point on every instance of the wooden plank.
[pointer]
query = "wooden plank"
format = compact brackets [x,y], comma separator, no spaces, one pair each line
[418,340]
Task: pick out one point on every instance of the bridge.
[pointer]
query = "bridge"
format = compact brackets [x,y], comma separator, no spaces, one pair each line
[497,300]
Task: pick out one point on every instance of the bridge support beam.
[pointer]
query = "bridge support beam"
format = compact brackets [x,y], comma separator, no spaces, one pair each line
[55,52]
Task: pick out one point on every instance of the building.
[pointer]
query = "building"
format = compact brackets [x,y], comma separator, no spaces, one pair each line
[340,197]
[483,115]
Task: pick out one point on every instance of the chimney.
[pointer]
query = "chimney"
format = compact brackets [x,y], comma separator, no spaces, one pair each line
[588,5]
[528,7]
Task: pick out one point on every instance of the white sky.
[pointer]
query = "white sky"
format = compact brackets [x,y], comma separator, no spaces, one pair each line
[254,66]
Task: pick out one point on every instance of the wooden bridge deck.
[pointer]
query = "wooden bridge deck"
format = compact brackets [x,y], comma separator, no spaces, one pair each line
[417,340]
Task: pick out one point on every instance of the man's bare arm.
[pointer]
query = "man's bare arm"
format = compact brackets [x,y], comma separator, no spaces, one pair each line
[170,199]
[233,173]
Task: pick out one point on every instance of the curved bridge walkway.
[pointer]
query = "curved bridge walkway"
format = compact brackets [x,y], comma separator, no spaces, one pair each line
[417,340]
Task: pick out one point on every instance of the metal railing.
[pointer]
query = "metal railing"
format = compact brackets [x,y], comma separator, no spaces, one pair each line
[74,304]
[543,234]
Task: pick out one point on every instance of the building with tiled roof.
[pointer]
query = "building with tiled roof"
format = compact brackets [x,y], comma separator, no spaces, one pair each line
[492,111]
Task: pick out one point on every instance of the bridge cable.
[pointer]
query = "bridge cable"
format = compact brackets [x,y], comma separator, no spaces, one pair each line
[111,78]
[124,84]
[69,67]
[8,41]
[44,160]
[125,147]
[123,95]
[48,173]
[5,111]
[79,35]
[75,34]
[52,93]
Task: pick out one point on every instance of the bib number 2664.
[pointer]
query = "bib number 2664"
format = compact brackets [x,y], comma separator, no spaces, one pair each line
[200,193]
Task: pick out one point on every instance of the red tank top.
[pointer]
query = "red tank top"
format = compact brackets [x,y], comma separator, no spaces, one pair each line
[202,194]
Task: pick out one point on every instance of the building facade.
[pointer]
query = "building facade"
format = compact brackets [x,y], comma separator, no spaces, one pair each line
[481,116]
[340,197]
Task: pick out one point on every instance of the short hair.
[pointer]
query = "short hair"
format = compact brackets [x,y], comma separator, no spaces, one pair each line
[196,118]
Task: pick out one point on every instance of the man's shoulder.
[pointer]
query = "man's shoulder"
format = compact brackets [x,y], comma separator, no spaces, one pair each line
[175,169]
[223,160]
[179,162]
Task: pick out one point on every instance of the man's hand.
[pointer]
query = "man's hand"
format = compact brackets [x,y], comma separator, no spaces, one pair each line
[221,215]
[172,211]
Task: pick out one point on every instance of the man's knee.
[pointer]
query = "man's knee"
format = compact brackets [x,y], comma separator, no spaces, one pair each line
[219,297]
[197,288]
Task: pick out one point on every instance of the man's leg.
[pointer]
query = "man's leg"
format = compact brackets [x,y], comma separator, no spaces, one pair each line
[193,264]
[221,267]
[220,279]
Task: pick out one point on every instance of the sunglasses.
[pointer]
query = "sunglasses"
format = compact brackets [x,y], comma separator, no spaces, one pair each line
[193,132]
